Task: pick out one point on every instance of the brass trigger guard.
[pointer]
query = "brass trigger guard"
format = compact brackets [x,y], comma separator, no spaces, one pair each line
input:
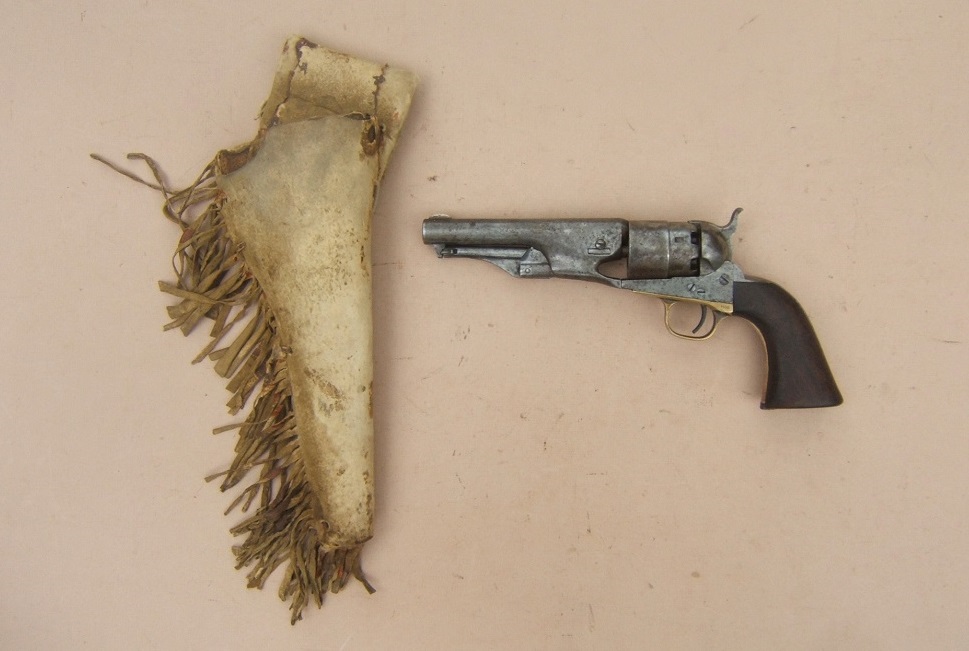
[693,336]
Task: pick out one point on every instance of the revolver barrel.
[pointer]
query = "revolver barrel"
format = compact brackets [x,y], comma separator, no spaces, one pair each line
[543,247]
[535,233]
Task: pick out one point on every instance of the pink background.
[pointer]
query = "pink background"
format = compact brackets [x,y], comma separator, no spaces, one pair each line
[554,470]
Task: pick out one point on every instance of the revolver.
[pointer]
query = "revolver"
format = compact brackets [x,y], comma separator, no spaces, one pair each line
[674,261]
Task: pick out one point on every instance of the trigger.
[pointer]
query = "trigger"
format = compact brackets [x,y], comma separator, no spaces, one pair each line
[703,319]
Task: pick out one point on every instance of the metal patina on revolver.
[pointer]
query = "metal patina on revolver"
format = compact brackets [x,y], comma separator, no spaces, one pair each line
[674,261]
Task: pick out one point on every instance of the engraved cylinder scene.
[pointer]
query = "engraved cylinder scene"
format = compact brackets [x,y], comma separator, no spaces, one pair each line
[661,249]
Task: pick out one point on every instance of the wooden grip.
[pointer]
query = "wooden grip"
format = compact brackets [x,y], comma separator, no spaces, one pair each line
[797,372]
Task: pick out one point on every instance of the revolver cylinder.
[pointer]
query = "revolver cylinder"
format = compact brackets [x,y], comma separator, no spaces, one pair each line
[661,249]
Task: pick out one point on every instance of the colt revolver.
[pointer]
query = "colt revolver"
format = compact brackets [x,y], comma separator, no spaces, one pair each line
[674,261]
